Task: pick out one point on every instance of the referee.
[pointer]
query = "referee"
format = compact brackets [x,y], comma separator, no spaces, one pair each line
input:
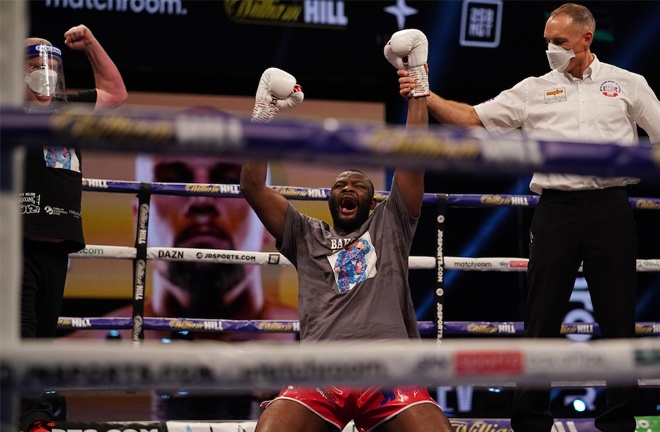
[579,219]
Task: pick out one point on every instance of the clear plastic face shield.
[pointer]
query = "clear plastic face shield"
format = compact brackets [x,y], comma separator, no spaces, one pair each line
[43,74]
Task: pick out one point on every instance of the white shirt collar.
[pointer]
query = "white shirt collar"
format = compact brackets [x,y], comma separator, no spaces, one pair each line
[589,73]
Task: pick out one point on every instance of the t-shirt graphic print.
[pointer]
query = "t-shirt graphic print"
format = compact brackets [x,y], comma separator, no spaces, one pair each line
[354,264]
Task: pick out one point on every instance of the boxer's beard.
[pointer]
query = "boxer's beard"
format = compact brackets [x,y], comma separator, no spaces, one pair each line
[207,284]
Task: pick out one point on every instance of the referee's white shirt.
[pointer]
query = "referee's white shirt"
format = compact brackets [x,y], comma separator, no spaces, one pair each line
[605,106]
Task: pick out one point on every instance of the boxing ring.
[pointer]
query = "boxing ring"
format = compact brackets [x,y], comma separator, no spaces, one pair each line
[30,365]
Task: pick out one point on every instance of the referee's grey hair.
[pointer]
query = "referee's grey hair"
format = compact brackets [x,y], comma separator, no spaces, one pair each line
[580,15]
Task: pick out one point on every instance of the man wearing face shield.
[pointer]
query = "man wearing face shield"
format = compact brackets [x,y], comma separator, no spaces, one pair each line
[43,73]
[50,200]
[578,218]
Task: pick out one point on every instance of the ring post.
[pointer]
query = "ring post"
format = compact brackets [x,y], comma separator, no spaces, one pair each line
[140,263]
[441,211]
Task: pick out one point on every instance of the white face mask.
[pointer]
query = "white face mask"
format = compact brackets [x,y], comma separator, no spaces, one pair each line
[42,81]
[558,57]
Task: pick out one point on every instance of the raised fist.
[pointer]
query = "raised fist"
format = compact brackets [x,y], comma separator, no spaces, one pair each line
[79,37]
[409,49]
[277,91]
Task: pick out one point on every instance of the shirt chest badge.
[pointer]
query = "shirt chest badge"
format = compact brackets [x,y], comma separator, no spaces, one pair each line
[554,95]
[610,88]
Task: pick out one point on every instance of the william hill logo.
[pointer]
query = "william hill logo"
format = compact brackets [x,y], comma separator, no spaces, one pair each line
[303,13]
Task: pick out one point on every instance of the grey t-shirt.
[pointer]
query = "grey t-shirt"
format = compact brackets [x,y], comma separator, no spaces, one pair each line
[356,286]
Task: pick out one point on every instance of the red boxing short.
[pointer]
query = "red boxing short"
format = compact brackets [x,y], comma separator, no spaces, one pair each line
[368,408]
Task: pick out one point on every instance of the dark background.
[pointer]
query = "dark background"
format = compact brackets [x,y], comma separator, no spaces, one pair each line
[206,51]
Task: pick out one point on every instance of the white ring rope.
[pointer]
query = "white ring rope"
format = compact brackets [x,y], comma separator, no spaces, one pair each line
[250,365]
[223,256]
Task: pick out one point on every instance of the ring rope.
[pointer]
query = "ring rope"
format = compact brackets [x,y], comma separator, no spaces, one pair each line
[322,194]
[223,256]
[250,365]
[436,147]
[292,326]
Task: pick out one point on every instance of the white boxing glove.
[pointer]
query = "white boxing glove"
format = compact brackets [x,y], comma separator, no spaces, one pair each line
[409,49]
[277,91]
